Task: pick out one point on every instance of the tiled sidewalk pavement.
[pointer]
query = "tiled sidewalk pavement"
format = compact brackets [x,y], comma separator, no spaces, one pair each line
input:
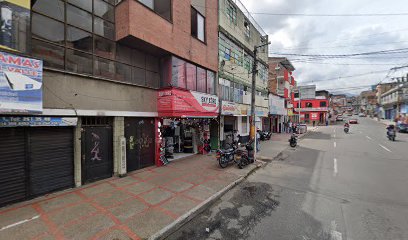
[133,207]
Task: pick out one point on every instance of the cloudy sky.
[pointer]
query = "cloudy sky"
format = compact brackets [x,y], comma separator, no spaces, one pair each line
[312,35]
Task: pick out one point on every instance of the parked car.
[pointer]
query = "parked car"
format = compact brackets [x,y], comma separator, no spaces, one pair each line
[361,115]
[353,121]
[339,118]
[402,128]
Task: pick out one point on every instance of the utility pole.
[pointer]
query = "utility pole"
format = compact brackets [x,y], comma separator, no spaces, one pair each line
[253,90]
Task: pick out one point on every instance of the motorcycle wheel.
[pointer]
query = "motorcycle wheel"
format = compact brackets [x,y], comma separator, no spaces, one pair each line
[223,162]
[393,139]
[293,144]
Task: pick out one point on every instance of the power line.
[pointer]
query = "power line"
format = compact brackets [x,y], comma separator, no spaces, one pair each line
[331,15]
[390,51]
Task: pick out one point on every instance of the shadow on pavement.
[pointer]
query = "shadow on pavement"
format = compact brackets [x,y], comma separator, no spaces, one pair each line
[318,135]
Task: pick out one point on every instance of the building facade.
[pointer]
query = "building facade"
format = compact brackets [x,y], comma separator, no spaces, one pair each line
[313,110]
[102,85]
[282,83]
[238,35]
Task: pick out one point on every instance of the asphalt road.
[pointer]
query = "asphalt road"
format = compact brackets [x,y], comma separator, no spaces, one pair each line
[333,186]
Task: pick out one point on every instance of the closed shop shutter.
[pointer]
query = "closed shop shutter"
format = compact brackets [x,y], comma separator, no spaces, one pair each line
[12,165]
[51,164]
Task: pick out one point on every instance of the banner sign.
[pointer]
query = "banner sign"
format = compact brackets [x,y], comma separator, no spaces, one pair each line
[15,23]
[277,105]
[184,103]
[38,121]
[20,84]
[230,108]
[314,116]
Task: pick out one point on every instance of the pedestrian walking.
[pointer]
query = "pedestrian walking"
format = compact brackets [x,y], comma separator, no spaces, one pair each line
[258,140]
[290,127]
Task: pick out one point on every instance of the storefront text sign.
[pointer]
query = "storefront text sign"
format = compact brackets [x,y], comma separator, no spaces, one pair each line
[20,84]
[277,105]
[183,103]
[38,121]
[230,108]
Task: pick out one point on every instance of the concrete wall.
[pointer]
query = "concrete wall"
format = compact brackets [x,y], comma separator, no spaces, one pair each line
[134,19]
[65,91]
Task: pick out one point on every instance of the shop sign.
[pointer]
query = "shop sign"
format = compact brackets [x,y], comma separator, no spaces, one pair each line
[15,19]
[260,112]
[276,105]
[320,109]
[244,111]
[38,121]
[185,103]
[230,108]
[20,84]
[314,116]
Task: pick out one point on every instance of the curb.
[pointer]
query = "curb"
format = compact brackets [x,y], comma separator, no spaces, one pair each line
[179,222]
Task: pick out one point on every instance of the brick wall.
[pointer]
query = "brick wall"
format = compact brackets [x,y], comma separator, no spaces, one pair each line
[136,20]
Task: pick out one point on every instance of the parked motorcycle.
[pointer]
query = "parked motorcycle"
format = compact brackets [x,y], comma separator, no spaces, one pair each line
[293,140]
[265,135]
[226,156]
[245,157]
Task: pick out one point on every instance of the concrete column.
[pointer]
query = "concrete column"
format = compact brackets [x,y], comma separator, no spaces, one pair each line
[118,132]
[222,128]
[239,125]
[77,154]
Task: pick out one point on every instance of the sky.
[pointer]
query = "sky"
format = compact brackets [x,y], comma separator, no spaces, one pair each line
[317,35]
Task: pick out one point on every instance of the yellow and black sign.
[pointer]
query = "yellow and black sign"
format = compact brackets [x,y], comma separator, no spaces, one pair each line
[15,20]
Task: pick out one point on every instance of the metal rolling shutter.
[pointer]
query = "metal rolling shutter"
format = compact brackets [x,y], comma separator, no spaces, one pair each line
[12,165]
[51,164]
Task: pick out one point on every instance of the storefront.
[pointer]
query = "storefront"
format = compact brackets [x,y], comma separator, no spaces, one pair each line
[36,156]
[277,112]
[188,122]
[234,122]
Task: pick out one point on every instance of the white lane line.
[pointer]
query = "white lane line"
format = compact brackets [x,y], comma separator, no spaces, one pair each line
[334,135]
[360,132]
[369,138]
[335,171]
[18,223]
[334,130]
[335,144]
[335,235]
[385,148]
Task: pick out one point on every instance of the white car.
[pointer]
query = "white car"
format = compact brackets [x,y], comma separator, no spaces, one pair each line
[361,115]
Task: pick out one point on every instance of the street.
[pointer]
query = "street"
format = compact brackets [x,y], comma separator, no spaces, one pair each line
[333,186]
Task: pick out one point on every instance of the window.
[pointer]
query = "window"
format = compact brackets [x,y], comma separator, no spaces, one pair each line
[309,105]
[211,82]
[306,116]
[79,18]
[86,5]
[104,28]
[197,25]
[231,12]
[247,30]
[201,80]
[104,68]
[323,104]
[104,10]
[47,29]
[191,73]
[79,39]
[52,8]
[123,72]
[78,62]
[52,55]
[161,7]
[104,47]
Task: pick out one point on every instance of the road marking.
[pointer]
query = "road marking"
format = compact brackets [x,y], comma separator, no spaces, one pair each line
[335,235]
[334,130]
[369,138]
[334,135]
[18,223]
[360,132]
[335,144]
[335,168]
[385,148]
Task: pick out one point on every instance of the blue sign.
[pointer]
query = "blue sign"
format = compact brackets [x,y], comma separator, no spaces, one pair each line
[38,121]
[20,84]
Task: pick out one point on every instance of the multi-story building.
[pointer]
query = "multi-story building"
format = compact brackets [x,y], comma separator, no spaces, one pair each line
[395,102]
[381,89]
[281,83]
[368,102]
[113,75]
[313,109]
[238,36]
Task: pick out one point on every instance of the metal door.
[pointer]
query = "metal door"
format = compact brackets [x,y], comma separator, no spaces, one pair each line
[97,162]
[13,181]
[140,147]
[51,159]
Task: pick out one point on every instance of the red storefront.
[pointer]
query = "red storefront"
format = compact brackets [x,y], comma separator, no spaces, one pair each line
[312,110]
[187,122]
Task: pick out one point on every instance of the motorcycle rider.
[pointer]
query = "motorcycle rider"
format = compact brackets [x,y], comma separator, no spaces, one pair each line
[390,128]
[346,125]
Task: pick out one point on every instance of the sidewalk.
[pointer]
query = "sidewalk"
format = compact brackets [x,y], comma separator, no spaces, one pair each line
[143,204]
